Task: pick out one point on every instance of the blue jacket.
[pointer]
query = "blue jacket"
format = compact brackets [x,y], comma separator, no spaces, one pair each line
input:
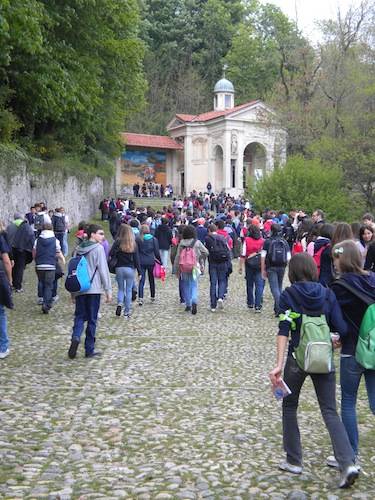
[314,299]
[353,308]
[148,249]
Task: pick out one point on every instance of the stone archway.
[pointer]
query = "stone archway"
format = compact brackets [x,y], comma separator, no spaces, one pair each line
[219,169]
[254,162]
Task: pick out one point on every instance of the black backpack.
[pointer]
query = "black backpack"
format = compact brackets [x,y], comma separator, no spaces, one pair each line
[58,224]
[39,222]
[218,249]
[278,252]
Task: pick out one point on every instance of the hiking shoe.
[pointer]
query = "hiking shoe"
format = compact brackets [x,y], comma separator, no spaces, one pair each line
[348,476]
[94,354]
[194,309]
[187,308]
[73,349]
[4,354]
[140,302]
[294,469]
[118,310]
[40,301]
[220,303]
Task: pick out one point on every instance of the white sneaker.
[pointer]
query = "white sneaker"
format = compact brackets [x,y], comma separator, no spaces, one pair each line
[213,309]
[55,298]
[40,301]
[220,303]
[332,462]
[348,476]
[294,469]
[4,354]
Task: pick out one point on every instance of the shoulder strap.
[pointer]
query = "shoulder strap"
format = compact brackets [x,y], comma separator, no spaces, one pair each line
[364,297]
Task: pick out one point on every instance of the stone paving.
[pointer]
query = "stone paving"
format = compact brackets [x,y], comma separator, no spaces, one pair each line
[178,407]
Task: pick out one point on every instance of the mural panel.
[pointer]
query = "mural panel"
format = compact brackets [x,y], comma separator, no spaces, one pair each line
[143,166]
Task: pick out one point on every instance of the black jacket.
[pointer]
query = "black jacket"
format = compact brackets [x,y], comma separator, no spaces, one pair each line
[148,249]
[163,234]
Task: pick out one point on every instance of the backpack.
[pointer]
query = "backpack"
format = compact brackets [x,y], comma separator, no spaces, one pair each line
[188,260]
[314,352]
[365,350]
[297,247]
[218,249]
[278,252]
[58,224]
[39,222]
[78,278]
[318,256]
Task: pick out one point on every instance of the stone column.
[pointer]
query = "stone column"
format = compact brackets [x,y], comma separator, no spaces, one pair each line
[226,160]
[239,164]
[188,164]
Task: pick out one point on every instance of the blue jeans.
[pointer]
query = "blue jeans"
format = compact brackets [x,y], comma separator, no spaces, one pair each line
[350,376]
[254,279]
[275,279]
[4,340]
[125,280]
[189,289]
[65,248]
[151,279]
[218,282]
[164,258]
[87,308]
[325,389]
[47,286]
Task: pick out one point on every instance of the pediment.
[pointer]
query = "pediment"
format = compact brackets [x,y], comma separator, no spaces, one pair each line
[257,112]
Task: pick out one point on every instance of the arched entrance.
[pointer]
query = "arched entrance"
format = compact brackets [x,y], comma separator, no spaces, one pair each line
[219,173]
[254,162]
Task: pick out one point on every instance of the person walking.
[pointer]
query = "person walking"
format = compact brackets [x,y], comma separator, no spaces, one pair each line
[218,263]
[251,260]
[164,236]
[87,303]
[307,296]
[125,251]
[354,289]
[148,249]
[188,264]
[6,271]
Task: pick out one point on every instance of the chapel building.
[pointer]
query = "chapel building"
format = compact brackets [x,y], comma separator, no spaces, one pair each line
[227,147]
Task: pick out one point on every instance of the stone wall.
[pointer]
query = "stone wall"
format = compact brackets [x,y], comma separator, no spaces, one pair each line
[79,196]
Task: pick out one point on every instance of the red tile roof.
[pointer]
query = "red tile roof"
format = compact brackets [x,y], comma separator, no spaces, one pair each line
[150,141]
[210,115]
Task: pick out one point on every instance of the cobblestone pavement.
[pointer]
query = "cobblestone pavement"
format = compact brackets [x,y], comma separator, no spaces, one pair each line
[178,407]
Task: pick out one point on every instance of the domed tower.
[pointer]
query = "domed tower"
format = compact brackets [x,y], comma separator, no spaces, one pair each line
[223,94]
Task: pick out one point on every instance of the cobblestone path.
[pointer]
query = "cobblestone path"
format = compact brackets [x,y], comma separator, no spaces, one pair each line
[178,407]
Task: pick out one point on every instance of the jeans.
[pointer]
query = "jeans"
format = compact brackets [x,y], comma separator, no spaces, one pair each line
[87,308]
[151,279]
[4,340]
[46,286]
[275,279]
[189,289]
[125,280]
[350,376]
[65,247]
[325,389]
[218,282]
[164,258]
[60,238]
[254,279]
[181,291]
[18,268]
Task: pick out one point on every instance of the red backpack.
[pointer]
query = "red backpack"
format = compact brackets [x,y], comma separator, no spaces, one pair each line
[188,260]
[318,255]
[297,247]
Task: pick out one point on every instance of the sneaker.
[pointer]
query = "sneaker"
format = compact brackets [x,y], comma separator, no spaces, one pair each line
[213,309]
[127,315]
[348,476]
[250,306]
[140,302]
[294,469]
[332,462]
[73,349]
[188,308]
[18,290]
[94,354]
[55,298]
[152,300]
[4,354]
[258,309]
[40,301]
[45,309]
[194,309]
[118,310]
[220,303]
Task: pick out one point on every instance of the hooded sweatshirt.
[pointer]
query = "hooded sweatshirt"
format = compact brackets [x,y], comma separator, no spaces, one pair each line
[96,260]
[314,299]
[353,308]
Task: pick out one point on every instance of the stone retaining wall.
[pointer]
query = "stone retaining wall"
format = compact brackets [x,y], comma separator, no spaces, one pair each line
[78,196]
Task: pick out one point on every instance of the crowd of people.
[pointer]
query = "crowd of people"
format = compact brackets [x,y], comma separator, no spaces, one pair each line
[330,267]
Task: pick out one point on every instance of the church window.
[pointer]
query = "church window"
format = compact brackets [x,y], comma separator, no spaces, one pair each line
[228,100]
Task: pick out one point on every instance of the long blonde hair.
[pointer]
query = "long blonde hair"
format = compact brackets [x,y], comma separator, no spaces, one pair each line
[126,239]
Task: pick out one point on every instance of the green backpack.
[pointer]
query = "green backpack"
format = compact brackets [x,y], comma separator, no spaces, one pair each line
[314,353]
[365,350]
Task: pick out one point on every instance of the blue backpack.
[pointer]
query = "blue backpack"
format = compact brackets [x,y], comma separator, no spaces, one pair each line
[78,278]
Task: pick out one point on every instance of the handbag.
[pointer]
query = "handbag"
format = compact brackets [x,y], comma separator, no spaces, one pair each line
[6,297]
[113,259]
[254,262]
[157,271]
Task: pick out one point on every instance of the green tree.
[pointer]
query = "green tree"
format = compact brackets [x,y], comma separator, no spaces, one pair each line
[307,185]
